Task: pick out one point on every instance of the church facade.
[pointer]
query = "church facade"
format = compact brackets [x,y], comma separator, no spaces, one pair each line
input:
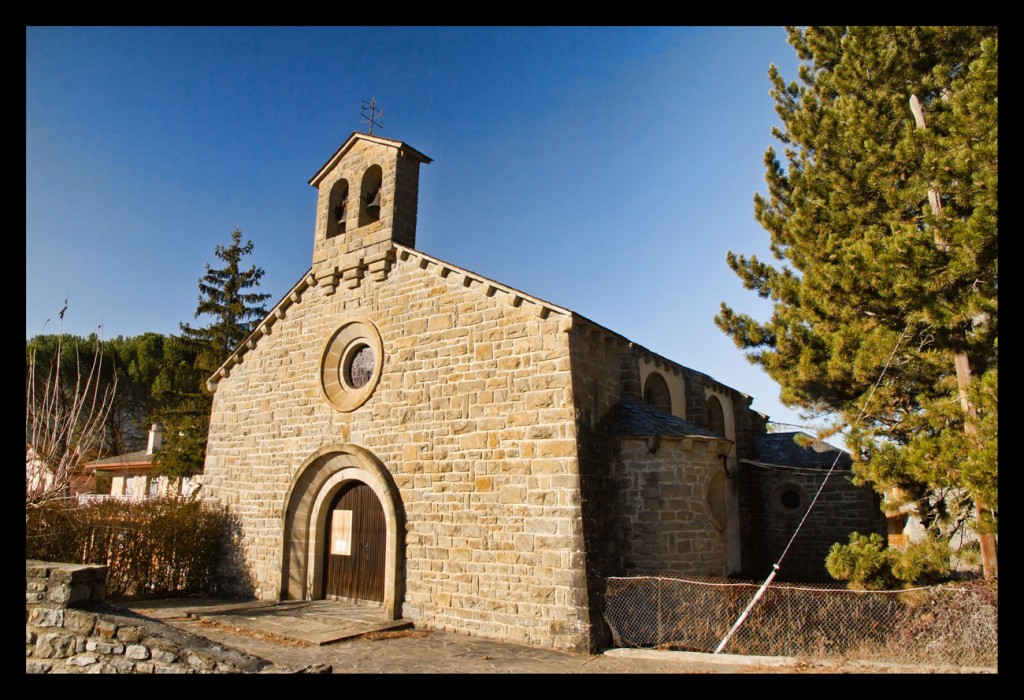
[402,431]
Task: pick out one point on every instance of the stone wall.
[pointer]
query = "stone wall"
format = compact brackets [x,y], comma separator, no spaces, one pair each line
[664,524]
[596,361]
[769,522]
[473,418]
[644,508]
[69,629]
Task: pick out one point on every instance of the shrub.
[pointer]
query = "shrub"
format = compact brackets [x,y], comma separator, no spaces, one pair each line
[156,546]
[867,564]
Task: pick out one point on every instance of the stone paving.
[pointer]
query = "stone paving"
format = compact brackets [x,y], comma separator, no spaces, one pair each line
[353,639]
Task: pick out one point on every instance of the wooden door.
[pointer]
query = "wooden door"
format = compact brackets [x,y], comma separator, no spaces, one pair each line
[355,545]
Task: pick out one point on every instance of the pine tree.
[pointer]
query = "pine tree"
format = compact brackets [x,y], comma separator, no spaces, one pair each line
[885,217]
[225,297]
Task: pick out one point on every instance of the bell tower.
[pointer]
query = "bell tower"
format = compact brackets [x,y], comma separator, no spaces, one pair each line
[368,193]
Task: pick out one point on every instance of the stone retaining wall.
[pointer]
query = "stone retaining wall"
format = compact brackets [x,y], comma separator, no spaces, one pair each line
[69,628]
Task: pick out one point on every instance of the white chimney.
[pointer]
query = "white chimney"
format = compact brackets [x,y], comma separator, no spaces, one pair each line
[156,437]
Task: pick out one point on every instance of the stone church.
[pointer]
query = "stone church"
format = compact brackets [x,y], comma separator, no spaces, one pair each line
[402,431]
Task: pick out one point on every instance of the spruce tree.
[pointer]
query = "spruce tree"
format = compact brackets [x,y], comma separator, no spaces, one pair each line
[884,216]
[227,297]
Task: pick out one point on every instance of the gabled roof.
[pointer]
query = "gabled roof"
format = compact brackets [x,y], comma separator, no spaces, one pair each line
[484,285]
[636,419]
[782,449]
[404,148]
[131,459]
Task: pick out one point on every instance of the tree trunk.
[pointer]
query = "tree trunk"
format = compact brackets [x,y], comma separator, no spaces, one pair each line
[987,540]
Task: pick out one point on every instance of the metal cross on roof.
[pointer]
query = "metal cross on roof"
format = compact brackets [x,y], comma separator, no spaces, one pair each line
[375,118]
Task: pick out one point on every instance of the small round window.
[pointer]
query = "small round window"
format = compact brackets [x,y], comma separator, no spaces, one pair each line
[350,365]
[789,499]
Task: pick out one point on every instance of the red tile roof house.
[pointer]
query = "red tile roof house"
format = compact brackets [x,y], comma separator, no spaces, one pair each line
[134,477]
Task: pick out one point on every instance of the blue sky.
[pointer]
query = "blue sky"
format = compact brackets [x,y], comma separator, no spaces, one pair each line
[607,170]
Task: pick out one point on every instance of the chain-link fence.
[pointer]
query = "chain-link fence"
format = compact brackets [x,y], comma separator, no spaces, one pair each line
[953,624]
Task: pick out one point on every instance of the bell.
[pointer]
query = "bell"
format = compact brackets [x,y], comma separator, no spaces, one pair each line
[373,206]
[339,213]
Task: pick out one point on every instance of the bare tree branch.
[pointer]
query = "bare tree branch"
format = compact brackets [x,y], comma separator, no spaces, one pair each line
[63,424]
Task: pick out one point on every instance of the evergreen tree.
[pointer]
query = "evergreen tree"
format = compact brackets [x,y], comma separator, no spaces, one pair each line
[224,297]
[185,408]
[227,298]
[885,217]
[137,363]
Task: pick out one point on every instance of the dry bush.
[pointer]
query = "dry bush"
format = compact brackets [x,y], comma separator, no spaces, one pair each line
[153,547]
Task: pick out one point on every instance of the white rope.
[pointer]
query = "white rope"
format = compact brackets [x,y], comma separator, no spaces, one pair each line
[750,606]
[784,467]
[775,566]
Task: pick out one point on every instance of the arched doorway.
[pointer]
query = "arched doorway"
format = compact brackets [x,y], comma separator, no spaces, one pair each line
[343,490]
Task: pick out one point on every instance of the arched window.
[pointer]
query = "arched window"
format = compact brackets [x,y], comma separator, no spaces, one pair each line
[338,208]
[656,393]
[369,195]
[716,500]
[716,416]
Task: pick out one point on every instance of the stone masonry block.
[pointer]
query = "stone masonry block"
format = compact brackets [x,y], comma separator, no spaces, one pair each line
[104,647]
[37,570]
[136,652]
[129,634]
[106,629]
[165,656]
[122,664]
[54,645]
[47,617]
[199,662]
[79,622]
[81,592]
[83,660]
[60,594]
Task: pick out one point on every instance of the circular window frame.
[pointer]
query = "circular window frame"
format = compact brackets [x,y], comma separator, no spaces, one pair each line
[336,363]
[779,493]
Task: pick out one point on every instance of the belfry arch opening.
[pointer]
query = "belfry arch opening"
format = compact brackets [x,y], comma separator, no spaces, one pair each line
[337,208]
[370,195]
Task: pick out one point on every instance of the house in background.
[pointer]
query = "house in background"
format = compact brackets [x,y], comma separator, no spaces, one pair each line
[905,527]
[40,480]
[133,476]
